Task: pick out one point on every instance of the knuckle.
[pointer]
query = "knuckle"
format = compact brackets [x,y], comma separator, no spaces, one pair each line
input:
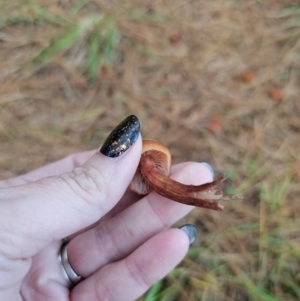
[107,243]
[103,290]
[104,243]
[137,273]
[86,182]
[157,213]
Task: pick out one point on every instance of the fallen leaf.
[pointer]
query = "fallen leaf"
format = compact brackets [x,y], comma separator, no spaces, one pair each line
[248,76]
[276,94]
[215,125]
[175,37]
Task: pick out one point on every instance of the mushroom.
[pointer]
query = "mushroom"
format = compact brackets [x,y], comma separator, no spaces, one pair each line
[153,174]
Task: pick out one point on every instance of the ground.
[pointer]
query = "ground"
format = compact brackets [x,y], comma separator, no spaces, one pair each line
[216,81]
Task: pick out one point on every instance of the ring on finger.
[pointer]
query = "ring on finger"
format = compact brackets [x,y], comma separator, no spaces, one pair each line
[70,275]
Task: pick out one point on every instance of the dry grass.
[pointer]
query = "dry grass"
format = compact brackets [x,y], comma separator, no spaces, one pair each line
[217,81]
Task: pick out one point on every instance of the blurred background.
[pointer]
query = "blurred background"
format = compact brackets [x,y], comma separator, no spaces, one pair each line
[216,81]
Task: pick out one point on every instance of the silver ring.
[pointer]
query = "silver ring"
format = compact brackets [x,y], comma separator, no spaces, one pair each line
[69,273]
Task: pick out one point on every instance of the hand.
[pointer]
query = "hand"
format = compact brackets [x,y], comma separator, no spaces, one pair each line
[118,243]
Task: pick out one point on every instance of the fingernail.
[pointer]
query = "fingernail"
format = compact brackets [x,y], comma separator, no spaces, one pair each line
[122,137]
[191,232]
[209,167]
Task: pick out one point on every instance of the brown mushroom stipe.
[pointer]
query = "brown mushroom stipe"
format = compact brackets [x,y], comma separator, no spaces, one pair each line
[153,174]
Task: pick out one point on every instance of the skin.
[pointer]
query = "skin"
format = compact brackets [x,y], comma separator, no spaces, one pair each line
[119,257]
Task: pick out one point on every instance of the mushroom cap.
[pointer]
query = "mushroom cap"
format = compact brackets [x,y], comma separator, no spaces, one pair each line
[162,159]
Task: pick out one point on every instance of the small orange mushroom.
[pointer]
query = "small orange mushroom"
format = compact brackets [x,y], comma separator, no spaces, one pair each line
[153,174]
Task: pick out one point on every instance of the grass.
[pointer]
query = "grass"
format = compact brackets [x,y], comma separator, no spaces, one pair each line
[201,77]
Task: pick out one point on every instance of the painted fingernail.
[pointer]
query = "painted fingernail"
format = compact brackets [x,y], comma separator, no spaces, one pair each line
[191,232]
[208,167]
[122,137]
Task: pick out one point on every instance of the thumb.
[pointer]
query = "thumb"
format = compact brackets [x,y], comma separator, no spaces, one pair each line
[35,214]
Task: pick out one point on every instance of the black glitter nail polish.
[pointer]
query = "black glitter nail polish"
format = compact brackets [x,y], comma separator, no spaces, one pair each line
[122,137]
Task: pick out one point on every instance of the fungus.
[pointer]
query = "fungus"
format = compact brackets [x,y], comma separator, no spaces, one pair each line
[153,174]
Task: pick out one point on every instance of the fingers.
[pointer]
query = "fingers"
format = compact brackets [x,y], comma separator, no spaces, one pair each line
[53,169]
[115,238]
[129,198]
[131,277]
[53,208]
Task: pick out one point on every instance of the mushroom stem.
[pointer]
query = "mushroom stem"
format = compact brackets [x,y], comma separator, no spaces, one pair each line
[204,195]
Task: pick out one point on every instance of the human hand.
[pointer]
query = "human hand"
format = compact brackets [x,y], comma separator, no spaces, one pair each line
[118,242]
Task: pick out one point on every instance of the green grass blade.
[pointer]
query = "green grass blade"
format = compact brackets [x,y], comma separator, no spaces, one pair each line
[63,43]
[109,50]
[93,57]
[294,10]
[14,20]
[293,286]
[46,15]
[153,291]
[169,293]
[78,6]
[258,293]
[148,17]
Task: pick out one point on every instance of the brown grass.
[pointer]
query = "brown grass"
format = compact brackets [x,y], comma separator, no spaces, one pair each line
[201,77]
